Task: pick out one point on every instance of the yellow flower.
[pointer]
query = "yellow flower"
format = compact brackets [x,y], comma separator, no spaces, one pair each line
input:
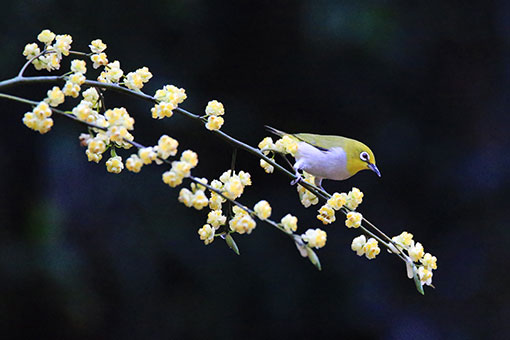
[263,210]
[358,245]
[242,223]
[172,178]
[134,163]
[167,146]
[289,222]
[55,96]
[214,123]
[215,201]
[90,95]
[171,94]
[429,261]
[42,110]
[266,144]
[206,234]
[120,117]
[118,134]
[84,112]
[186,197]
[198,185]
[63,44]
[326,214]
[182,169]
[216,219]
[99,59]
[77,78]
[79,66]
[147,155]
[239,211]
[233,187]
[39,119]
[416,251]
[268,168]
[133,81]
[286,145]
[144,73]
[93,157]
[46,36]
[405,239]
[425,275]
[190,157]
[306,197]
[97,145]
[114,165]
[162,110]
[214,108]
[315,238]
[353,220]
[31,50]
[112,72]
[245,178]
[71,90]
[337,201]
[354,198]
[371,248]
[97,46]
[200,201]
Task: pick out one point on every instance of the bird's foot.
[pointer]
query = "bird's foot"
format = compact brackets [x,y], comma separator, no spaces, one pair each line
[297,179]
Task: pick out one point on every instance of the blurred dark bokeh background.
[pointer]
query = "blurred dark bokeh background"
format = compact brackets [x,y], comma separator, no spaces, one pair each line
[85,254]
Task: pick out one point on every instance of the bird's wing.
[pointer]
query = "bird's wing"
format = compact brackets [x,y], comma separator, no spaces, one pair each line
[322,142]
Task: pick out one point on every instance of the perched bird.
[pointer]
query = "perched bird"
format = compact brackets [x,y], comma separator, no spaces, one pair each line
[329,157]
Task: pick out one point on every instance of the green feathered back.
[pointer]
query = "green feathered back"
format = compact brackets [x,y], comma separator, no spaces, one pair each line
[320,141]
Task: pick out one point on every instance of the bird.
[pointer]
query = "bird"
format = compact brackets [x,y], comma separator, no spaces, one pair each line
[329,157]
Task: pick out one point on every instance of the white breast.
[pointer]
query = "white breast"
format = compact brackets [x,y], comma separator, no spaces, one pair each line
[331,164]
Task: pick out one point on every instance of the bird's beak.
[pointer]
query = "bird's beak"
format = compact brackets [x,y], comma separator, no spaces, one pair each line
[373,167]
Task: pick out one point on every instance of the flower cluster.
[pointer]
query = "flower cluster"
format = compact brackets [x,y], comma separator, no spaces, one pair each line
[55,96]
[263,210]
[284,145]
[242,222]
[195,197]
[362,246]
[55,46]
[214,111]
[426,261]
[316,238]
[169,97]
[306,197]
[206,234]
[289,223]
[180,169]
[336,202]
[112,73]
[232,185]
[39,118]
[136,80]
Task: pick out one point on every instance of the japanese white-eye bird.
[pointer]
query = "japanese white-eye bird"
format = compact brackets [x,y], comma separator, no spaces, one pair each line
[329,157]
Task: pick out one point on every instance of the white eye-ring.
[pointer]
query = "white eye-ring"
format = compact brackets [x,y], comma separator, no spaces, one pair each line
[364,156]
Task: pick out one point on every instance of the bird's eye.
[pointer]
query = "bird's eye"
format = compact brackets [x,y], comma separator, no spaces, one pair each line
[364,156]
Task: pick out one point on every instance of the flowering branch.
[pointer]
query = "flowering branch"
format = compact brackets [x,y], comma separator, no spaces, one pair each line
[110,129]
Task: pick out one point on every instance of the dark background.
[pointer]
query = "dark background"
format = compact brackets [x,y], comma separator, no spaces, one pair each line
[85,254]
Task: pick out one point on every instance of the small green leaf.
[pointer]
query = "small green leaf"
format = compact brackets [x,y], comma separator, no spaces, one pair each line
[417,281]
[313,258]
[232,244]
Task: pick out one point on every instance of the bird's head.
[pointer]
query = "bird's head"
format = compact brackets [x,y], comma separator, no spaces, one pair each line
[359,157]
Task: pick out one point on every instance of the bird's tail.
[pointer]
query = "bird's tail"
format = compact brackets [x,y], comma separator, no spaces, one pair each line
[275,131]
